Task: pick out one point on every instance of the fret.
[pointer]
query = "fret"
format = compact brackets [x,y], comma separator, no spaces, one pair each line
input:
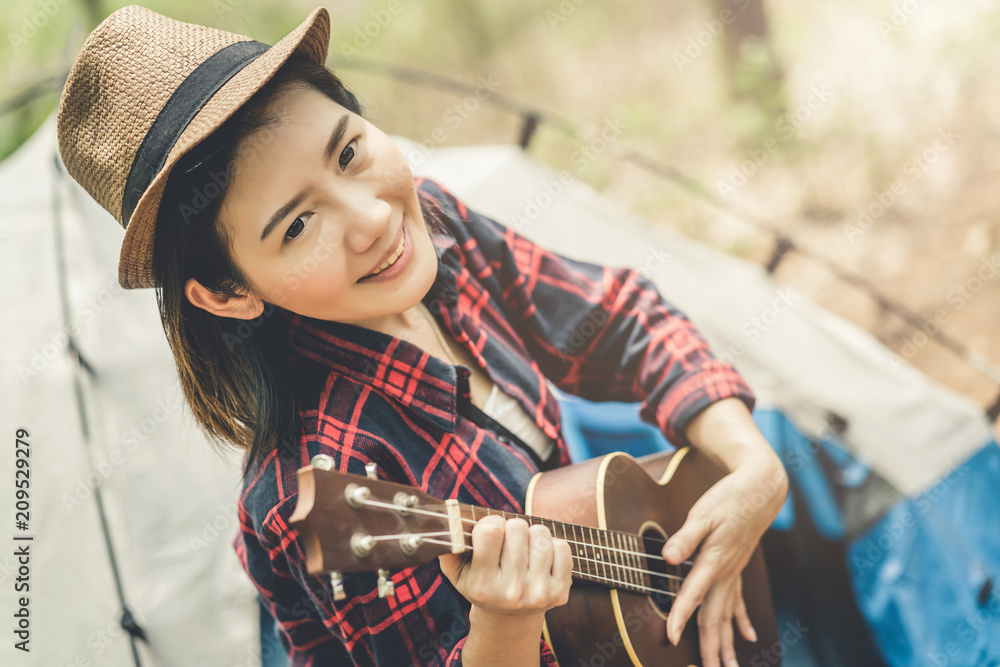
[599,568]
[577,549]
[619,556]
[641,560]
[630,559]
[628,574]
[623,560]
[607,557]
[634,579]
[571,549]
[610,556]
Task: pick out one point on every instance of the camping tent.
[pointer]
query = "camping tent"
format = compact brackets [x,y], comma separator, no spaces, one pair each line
[901,472]
[169,498]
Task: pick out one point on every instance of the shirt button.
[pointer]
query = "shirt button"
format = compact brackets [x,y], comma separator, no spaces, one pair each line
[504,439]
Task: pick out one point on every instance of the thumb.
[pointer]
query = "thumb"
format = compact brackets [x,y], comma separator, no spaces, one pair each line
[682,544]
[452,566]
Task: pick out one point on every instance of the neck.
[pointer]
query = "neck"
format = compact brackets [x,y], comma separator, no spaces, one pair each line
[408,325]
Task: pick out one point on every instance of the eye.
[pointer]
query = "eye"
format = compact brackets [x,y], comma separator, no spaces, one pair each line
[294,229]
[350,156]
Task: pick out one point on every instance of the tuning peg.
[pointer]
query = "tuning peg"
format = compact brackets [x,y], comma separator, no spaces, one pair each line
[385,585]
[371,470]
[322,461]
[337,579]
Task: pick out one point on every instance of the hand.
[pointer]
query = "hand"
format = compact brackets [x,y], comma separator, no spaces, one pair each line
[728,526]
[514,570]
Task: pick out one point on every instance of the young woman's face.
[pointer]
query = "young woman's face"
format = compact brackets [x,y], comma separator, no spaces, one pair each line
[320,200]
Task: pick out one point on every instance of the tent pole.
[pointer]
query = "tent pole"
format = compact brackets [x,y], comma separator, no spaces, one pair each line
[128,622]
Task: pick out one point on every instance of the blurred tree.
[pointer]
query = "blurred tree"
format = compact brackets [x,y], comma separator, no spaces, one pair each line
[752,68]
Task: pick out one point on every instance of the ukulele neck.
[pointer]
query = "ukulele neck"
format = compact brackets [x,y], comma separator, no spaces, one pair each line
[607,557]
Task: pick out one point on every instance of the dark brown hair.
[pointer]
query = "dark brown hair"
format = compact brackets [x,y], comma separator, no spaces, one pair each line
[230,369]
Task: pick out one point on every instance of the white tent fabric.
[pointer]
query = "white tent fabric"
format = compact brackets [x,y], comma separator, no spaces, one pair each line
[170,498]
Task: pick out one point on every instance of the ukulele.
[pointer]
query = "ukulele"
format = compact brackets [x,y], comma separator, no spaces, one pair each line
[615,512]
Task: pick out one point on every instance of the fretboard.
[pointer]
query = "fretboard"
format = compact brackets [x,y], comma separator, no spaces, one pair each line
[612,558]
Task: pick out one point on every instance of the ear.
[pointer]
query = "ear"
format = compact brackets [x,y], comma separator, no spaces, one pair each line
[242,306]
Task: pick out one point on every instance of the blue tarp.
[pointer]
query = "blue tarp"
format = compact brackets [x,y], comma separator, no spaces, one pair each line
[924,576]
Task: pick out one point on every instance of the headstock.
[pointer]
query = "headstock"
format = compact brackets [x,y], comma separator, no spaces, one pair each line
[350,523]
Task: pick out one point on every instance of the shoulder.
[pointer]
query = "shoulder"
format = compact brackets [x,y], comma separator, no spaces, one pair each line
[268,496]
[458,216]
[436,191]
[478,236]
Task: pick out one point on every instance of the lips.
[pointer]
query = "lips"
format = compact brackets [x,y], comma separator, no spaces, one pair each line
[393,254]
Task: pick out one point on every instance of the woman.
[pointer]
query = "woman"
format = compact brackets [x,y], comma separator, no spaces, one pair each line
[319,299]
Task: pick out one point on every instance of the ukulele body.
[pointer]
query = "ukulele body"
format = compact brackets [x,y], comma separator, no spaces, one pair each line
[604,627]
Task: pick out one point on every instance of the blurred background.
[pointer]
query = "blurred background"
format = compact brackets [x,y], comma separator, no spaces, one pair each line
[867,132]
[846,149]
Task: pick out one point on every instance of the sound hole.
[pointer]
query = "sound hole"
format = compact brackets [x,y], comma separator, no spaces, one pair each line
[666,587]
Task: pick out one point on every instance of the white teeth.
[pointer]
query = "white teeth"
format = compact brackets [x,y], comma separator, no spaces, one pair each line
[392,258]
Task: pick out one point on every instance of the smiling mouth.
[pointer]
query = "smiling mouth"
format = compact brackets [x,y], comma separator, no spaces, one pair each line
[392,258]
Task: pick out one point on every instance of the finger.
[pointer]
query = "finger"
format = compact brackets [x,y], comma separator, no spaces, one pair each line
[710,620]
[562,569]
[562,560]
[452,565]
[514,555]
[487,542]
[742,617]
[693,591]
[682,544]
[726,639]
[540,550]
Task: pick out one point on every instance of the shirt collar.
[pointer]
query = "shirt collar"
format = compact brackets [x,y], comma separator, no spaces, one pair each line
[395,367]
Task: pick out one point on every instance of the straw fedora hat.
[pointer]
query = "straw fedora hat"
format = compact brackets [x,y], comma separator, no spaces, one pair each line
[143,91]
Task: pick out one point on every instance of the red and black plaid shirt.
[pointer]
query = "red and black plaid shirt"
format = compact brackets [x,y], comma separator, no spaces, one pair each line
[526,315]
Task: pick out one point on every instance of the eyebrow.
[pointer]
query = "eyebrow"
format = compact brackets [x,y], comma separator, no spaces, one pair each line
[331,146]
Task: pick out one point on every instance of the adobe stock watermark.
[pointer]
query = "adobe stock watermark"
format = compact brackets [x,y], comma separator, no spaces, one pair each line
[605,652]
[969,630]
[453,118]
[553,188]
[366,33]
[102,470]
[958,296]
[101,640]
[223,524]
[698,43]
[901,14]
[791,635]
[754,328]
[214,183]
[871,550]
[562,12]
[785,128]
[762,495]
[912,170]
[58,342]
[31,24]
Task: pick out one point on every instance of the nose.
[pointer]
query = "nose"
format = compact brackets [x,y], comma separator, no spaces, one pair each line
[368,220]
